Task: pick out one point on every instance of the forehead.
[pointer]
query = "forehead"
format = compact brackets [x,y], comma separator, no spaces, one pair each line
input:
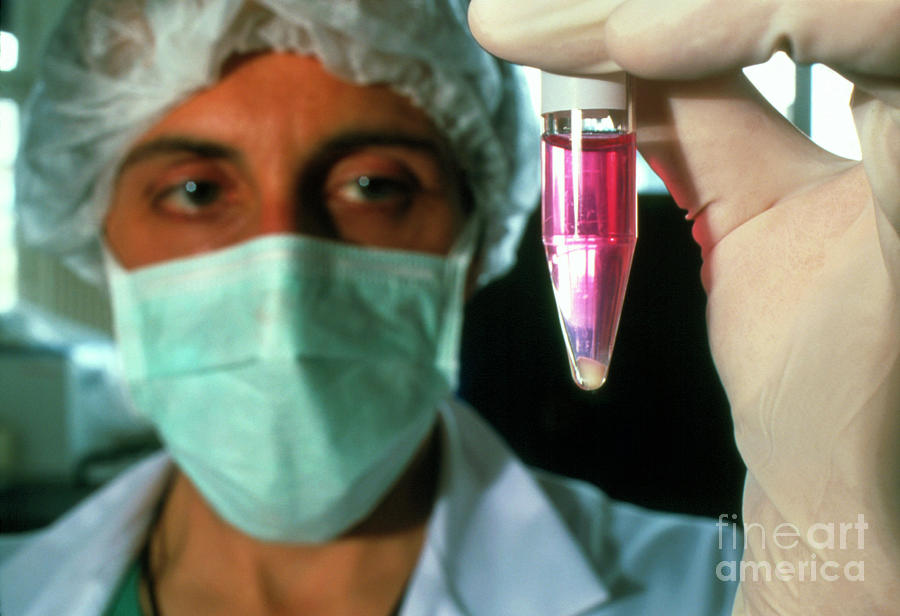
[293,97]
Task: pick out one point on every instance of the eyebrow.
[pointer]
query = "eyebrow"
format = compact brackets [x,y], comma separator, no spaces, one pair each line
[347,142]
[331,149]
[167,145]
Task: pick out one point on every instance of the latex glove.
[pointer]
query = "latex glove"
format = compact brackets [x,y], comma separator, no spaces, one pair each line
[801,258]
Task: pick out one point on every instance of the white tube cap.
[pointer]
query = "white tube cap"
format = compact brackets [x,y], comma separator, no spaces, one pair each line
[561,93]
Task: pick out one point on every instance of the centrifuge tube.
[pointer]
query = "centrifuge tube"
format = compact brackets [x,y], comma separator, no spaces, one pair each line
[589,208]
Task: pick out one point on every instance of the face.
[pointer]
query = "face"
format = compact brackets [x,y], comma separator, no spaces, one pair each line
[280,146]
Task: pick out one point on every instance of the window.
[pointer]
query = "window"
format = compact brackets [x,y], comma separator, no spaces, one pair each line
[9,51]
[815,98]
[9,139]
[831,120]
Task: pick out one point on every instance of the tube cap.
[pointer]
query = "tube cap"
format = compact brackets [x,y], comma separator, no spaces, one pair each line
[560,93]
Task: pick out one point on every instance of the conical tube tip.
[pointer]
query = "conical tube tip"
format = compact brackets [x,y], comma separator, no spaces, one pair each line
[589,374]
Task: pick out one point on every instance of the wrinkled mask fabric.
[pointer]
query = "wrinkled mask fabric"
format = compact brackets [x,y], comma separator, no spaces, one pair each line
[292,379]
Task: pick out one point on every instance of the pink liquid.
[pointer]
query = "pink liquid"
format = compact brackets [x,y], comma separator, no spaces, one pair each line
[589,229]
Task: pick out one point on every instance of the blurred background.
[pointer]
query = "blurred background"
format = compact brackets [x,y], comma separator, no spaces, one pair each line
[657,434]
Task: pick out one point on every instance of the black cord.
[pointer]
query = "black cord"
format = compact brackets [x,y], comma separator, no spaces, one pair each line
[149,581]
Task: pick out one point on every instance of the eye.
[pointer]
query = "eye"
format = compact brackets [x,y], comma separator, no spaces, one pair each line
[372,190]
[191,196]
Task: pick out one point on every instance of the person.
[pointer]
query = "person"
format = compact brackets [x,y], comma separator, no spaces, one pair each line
[288,244]
[288,202]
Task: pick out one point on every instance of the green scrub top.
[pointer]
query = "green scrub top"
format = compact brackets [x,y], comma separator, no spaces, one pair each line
[126,600]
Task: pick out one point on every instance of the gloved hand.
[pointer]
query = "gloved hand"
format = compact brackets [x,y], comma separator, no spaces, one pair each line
[801,260]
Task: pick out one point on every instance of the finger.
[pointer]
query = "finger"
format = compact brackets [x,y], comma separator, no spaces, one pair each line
[558,36]
[878,127]
[723,152]
[660,39]
[699,38]
[714,143]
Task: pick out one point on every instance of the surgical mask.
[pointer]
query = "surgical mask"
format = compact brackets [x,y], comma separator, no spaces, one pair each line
[292,379]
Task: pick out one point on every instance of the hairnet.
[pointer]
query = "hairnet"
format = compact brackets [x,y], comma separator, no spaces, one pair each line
[114,67]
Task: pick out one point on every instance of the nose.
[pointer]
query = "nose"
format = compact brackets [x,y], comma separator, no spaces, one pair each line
[295,211]
[279,215]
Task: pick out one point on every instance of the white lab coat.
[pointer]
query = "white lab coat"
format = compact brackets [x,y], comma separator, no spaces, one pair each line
[502,540]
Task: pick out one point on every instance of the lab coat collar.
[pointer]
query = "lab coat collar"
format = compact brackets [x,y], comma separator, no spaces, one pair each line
[74,565]
[496,545]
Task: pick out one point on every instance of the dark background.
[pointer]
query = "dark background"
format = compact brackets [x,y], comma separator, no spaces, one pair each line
[658,433]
